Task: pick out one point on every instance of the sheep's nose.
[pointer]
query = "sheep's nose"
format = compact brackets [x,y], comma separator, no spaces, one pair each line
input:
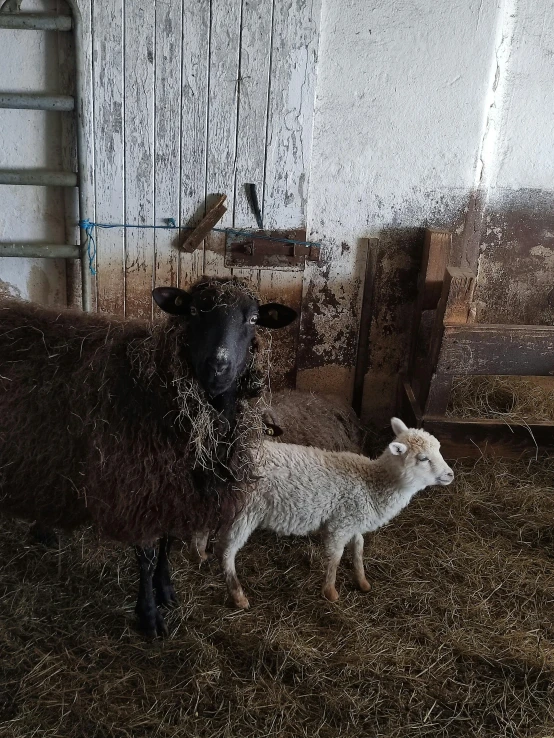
[447,476]
[219,363]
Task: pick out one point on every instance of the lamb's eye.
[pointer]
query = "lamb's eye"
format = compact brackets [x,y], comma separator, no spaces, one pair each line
[253,319]
[193,310]
[421,457]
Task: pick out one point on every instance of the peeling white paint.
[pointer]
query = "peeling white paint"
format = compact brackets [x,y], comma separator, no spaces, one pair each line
[487,159]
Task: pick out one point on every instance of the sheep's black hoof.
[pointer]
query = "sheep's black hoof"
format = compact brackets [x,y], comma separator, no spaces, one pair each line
[45,536]
[151,624]
[166,596]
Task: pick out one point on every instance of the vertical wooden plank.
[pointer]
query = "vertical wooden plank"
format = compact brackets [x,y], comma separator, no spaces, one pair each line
[434,260]
[108,152]
[222,121]
[294,44]
[167,138]
[362,354]
[253,91]
[295,41]
[194,119]
[139,155]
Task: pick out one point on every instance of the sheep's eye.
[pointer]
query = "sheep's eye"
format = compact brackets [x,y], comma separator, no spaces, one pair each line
[193,310]
[253,319]
[421,457]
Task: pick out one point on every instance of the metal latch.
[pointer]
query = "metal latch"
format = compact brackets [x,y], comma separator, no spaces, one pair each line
[270,250]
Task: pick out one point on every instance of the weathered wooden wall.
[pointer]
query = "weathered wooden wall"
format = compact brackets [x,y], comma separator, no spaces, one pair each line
[192,99]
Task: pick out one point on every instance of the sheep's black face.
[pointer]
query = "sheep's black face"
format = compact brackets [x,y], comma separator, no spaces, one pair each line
[221,324]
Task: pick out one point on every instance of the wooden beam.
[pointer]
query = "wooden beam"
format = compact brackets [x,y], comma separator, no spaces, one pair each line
[366,314]
[518,350]
[460,295]
[213,216]
[475,437]
[434,260]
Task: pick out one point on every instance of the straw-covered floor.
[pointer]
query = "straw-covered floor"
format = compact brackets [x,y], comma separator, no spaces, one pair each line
[456,637]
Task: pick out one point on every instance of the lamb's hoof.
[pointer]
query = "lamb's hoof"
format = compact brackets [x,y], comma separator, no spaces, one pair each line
[45,536]
[331,594]
[166,596]
[241,601]
[364,585]
[152,624]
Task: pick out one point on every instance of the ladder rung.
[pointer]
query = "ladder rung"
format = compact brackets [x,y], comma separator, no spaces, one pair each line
[40,250]
[35,101]
[38,177]
[36,21]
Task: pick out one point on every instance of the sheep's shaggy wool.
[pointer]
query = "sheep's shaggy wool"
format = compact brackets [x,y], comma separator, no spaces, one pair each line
[322,421]
[101,421]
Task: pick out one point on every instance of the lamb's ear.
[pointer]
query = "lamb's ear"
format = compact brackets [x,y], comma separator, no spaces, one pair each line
[397,448]
[398,426]
[275,315]
[172,300]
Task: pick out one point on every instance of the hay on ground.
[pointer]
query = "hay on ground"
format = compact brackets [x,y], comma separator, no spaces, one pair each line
[455,639]
[514,399]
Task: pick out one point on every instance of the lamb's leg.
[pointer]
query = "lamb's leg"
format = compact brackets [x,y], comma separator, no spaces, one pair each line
[151,621]
[334,548]
[226,551]
[356,546]
[161,580]
[198,543]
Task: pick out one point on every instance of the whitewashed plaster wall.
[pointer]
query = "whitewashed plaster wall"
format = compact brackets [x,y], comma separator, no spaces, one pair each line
[412,99]
[28,138]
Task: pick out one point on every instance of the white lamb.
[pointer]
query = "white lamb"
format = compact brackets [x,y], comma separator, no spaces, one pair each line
[304,489]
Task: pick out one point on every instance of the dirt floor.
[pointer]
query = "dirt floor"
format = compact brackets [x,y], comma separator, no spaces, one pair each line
[456,637]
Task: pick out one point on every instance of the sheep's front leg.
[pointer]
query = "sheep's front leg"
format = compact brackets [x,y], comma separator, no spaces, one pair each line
[356,546]
[161,580]
[226,552]
[334,548]
[151,621]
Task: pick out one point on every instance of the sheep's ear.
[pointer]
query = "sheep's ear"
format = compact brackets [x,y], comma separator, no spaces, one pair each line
[275,315]
[172,300]
[397,448]
[398,426]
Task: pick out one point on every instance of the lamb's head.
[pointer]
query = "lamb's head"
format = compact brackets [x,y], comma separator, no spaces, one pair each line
[418,453]
[221,317]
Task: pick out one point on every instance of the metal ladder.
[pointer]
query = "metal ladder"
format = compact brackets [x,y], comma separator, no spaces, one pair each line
[11,17]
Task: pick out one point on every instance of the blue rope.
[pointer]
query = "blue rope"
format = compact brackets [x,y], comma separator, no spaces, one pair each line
[89,227]
[90,243]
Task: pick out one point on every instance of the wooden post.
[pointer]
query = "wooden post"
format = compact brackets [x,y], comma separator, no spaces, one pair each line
[454,305]
[366,314]
[434,260]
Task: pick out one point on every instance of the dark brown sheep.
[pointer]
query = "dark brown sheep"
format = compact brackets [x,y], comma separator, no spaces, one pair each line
[138,429]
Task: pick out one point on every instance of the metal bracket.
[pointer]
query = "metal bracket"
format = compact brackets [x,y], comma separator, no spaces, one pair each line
[266,250]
